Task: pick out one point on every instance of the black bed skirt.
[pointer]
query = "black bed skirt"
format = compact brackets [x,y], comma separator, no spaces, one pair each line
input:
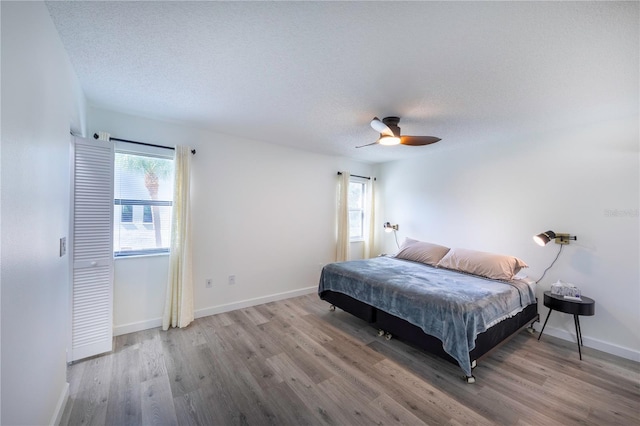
[414,335]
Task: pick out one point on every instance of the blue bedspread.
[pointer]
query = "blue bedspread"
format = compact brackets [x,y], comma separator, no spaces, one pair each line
[452,306]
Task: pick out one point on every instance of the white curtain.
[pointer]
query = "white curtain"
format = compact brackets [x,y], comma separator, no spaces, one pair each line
[343,243]
[370,219]
[178,308]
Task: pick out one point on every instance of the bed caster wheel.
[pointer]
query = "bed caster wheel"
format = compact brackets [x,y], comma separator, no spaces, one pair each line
[387,336]
[474,364]
[471,379]
[332,308]
[380,333]
[531,330]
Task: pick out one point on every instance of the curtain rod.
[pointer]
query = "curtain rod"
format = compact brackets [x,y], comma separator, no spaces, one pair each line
[361,177]
[95,136]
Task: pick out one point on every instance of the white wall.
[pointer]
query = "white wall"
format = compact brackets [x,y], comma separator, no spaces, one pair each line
[41,101]
[495,196]
[577,173]
[261,212]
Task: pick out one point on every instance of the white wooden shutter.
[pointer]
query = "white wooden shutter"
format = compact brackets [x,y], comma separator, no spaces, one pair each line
[92,249]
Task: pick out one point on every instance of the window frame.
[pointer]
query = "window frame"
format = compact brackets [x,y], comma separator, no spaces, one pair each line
[362,209]
[146,151]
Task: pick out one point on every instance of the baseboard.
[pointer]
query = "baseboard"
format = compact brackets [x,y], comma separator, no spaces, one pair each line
[132,327]
[205,312]
[253,302]
[590,342]
[62,402]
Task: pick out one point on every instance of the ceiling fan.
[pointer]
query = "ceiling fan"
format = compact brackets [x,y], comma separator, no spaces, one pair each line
[390,134]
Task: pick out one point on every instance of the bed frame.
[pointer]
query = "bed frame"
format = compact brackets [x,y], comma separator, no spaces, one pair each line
[390,325]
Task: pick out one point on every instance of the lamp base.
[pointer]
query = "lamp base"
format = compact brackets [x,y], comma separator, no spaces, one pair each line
[563,238]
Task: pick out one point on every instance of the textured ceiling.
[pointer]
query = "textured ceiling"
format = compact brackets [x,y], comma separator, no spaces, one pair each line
[313,74]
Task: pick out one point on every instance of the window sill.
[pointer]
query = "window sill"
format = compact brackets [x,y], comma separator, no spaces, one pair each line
[137,256]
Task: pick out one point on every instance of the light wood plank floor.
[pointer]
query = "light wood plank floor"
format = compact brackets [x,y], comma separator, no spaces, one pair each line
[293,362]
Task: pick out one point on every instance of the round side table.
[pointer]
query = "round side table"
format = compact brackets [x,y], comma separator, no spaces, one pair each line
[586,307]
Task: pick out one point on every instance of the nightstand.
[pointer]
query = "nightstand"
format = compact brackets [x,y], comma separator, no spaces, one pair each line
[586,307]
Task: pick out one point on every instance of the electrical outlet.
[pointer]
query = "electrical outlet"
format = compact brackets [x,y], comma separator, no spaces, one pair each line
[232,279]
[209,283]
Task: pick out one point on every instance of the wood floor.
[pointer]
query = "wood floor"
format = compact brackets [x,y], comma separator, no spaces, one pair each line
[293,362]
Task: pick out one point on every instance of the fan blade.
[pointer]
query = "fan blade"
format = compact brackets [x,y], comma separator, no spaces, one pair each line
[369,144]
[380,127]
[418,140]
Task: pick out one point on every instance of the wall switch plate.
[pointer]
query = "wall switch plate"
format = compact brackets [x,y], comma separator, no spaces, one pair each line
[232,279]
[63,246]
[209,283]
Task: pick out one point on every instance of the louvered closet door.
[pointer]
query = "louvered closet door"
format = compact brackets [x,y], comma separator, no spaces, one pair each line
[92,249]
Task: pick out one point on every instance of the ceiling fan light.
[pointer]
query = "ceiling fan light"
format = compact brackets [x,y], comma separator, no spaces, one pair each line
[389,140]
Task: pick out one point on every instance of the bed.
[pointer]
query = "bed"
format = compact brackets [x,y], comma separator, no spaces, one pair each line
[454,305]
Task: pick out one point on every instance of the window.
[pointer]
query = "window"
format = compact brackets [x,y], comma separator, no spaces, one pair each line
[356,210]
[126,215]
[147,216]
[143,196]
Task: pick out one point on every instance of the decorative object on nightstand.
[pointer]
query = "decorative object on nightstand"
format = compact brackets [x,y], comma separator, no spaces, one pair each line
[569,305]
[561,288]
